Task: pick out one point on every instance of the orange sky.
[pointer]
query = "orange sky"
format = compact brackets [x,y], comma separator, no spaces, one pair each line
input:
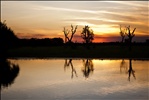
[40,19]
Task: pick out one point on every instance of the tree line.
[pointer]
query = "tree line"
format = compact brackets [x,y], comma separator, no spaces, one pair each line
[9,39]
[41,42]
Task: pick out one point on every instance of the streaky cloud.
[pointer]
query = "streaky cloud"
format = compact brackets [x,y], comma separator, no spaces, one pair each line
[65,9]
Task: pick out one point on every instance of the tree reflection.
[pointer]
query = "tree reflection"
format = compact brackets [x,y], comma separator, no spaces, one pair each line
[123,66]
[88,67]
[8,72]
[131,71]
[68,64]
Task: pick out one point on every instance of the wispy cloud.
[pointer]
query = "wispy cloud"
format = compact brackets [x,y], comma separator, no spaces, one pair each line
[49,17]
[65,9]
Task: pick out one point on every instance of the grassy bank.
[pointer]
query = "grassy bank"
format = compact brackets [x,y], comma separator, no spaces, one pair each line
[108,51]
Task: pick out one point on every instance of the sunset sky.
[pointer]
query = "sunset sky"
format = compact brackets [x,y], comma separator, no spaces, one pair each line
[46,19]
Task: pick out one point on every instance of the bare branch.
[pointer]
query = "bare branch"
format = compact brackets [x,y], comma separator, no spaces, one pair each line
[133,30]
[73,32]
[66,32]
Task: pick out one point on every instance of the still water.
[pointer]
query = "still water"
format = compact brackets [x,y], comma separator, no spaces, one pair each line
[75,79]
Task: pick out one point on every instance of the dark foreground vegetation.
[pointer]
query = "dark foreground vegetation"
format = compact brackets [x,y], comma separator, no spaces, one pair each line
[103,50]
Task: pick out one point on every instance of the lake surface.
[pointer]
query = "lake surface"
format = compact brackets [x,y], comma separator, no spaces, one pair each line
[76,79]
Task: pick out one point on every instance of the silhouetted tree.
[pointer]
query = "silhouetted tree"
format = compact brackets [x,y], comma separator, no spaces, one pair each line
[122,34]
[7,38]
[130,35]
[87,35]
[8,72]
[66,33]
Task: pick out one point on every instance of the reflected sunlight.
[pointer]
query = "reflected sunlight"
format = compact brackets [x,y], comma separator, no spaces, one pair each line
[79,78]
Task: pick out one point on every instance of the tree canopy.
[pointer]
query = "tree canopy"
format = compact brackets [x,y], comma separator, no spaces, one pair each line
[87,34]
[7,36]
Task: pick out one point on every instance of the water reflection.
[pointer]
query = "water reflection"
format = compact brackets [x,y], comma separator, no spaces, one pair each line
[131,71]
[88,67]
[68,64]
[45,79]
[123,66]
[8,72]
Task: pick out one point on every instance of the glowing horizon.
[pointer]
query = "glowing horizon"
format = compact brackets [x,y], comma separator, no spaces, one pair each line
[46,19]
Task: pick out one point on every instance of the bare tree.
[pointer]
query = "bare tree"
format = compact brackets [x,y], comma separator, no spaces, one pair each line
[66,33]
[73,31]
[130,35]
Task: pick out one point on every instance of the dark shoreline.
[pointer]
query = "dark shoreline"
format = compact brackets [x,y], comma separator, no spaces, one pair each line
[74,58]
[99,52]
